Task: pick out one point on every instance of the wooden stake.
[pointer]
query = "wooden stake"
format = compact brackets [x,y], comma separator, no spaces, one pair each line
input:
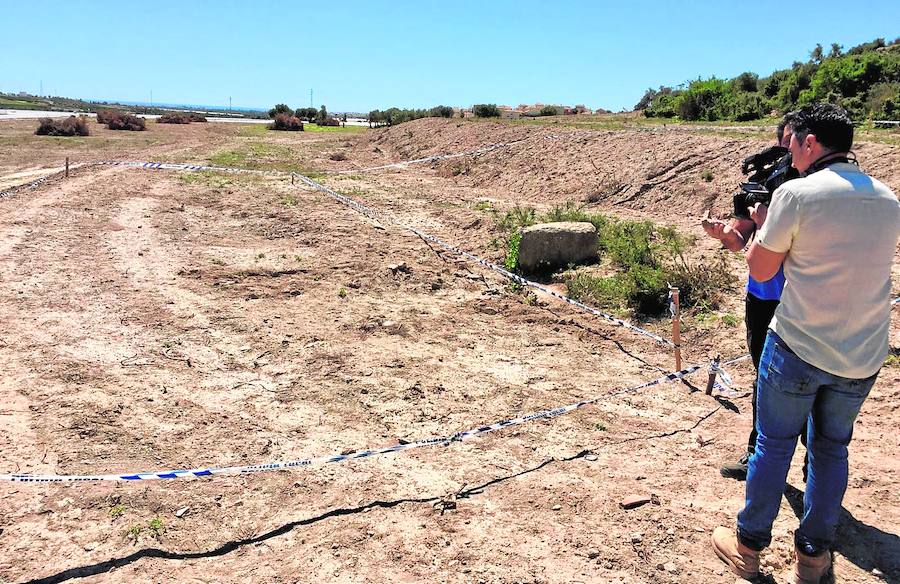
[713,368]
[676,327]
[67,167]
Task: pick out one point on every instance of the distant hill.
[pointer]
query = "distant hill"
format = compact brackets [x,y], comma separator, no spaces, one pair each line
[57,103]
[865,80]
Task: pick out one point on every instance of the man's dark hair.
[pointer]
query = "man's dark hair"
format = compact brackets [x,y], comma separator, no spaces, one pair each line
[779,129]
[829,123]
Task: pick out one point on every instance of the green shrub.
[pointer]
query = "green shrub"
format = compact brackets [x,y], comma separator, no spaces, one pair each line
[486,110]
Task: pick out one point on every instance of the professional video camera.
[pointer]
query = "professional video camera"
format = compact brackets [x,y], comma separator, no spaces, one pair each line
[770,169]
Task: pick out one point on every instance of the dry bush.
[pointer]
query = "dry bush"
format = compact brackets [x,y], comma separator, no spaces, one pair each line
[330,122]
[338,156]
[195,117]
[286,123]
[103,116]
[71,126]
[173,119]
[126,122]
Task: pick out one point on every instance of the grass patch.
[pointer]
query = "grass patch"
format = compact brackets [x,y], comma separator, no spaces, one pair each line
[646,258]
[335,129]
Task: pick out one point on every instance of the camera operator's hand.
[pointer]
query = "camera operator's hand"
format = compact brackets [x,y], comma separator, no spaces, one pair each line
[733,236]
[758,213]
[715,228]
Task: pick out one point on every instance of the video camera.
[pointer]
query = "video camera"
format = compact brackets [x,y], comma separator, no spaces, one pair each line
[770,169]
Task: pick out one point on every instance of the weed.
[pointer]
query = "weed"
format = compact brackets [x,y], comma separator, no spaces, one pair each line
[706,175]
[289,200]
[342,293]
[730,320]
[512,250]
[317,277]
[217,262]
[600,426]
[260,256]
[283,256]
[297,258]
[338,156]
[893,359]
[483,206]
[134,532]
[117,511]
[156,527]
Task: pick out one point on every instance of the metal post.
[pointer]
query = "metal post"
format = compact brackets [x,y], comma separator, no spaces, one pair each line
[67,167]
[713,370]
[676,326]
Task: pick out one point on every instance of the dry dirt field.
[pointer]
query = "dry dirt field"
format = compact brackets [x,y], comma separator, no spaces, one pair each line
[156,320]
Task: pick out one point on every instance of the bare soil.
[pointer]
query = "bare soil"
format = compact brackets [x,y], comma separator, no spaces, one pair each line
[154,320]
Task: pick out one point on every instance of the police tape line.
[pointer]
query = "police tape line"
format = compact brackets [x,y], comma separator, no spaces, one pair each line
[375,214]
[435,158]
[380,215]
[31,185]
[322,460]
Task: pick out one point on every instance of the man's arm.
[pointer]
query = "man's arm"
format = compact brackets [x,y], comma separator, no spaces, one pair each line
[763,263]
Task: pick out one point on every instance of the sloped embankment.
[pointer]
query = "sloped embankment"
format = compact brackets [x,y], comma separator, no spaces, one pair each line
[661,172]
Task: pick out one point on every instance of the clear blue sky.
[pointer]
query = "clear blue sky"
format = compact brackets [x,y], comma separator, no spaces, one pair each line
[359,56]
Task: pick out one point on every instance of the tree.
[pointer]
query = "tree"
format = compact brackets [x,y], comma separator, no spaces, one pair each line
[816,54]
[549,110]
[835,51]
[322,116]
[280,109]
[486,110]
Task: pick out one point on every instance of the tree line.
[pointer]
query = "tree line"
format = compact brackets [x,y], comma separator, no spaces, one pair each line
[865,80]
[392,116]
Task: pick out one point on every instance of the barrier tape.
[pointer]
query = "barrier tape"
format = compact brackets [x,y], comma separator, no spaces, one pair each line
[379,215]
[372,213]
[322,460]
[28,186]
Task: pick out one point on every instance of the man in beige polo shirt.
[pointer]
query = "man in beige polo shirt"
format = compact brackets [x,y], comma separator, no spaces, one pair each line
[835,230]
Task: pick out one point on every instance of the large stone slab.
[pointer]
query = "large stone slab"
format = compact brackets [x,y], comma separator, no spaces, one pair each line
[554,245]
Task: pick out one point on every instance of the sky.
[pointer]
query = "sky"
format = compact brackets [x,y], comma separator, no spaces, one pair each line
[359,56]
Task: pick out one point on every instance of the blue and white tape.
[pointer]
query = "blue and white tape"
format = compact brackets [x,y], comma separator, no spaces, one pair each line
[322,460]
[374,214]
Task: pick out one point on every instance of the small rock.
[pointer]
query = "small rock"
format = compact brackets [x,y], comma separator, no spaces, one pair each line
[593,554]
[181,512]
[670,531]
[399,268]
[591,457]
[636,538]
[633,501]
[877,573]
[486,309]
[699,530]
[556,507]
[670,567]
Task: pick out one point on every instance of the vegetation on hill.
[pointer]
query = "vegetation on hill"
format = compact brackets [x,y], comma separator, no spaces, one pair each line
[116,120]
[865,81]
[395,115]
[184,118]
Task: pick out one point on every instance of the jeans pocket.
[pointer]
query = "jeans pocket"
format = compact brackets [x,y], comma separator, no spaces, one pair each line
[791,372]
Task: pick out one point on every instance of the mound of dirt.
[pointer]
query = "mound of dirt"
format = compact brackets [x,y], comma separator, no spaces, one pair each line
[660,171]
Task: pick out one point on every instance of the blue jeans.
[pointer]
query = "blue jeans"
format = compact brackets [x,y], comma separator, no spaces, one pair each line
[790,393]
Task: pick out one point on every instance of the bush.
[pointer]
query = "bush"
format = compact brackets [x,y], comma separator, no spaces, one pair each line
[329,122]
[103,116]
[71,126]
[338,156]
[126,122]
[486,110]
[286,123]
[180,118]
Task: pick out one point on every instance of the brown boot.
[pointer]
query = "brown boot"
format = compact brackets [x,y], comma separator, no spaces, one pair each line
[811,569]
[742,560]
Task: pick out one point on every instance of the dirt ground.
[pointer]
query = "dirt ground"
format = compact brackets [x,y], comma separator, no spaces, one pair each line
[155,320]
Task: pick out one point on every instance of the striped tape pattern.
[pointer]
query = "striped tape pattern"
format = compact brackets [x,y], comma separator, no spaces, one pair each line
[322,460]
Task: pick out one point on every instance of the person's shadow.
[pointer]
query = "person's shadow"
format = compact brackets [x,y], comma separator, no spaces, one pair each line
[865,546]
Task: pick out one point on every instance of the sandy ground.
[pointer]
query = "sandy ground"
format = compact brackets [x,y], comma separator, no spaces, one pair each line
[153,320]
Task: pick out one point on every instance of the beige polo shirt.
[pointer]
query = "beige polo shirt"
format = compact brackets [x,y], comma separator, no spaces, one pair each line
[839,228]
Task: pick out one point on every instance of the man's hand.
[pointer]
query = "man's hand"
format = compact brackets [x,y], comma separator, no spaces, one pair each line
[758,213]
[713,227]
